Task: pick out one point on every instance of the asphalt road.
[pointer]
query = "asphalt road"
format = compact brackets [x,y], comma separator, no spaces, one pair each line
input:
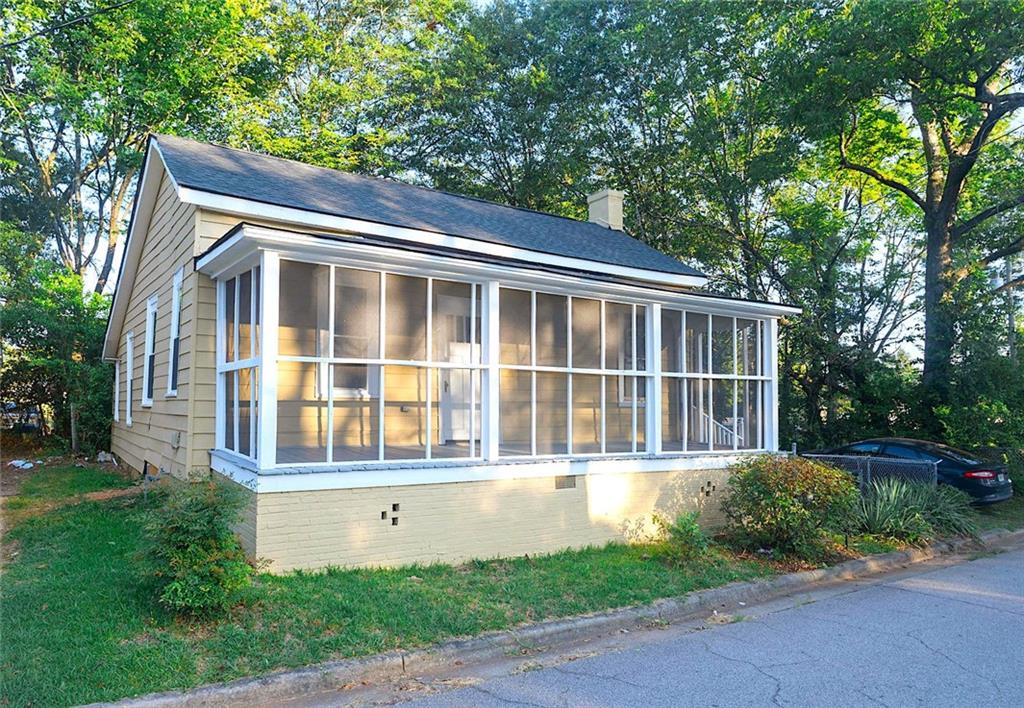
[948,636]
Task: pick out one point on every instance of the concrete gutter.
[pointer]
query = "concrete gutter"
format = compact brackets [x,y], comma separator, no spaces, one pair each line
[337,675]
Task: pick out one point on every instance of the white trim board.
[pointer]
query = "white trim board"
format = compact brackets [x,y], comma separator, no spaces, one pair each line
[240,470]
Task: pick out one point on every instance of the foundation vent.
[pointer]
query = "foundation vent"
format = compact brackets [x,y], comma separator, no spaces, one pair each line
[394,510]
[565,482]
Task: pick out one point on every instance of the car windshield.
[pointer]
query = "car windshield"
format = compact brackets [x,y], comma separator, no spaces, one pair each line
[956,455]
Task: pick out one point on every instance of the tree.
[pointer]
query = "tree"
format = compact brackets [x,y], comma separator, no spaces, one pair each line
[78,102]
[674,103]
[52,339]
[345,78]
[509,113]
[921,98]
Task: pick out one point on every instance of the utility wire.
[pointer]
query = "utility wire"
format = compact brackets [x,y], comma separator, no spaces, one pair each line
[68,23]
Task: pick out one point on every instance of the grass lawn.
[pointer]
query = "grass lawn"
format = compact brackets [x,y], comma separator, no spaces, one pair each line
[45,487]
[1003,515]
[53,483]
[79,624]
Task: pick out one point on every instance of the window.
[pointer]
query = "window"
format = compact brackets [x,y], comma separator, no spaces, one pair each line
[129,348]
[238,369]
[149,360]
[572,375]
[712,384]
[174,347]
[117,389]
[907,452]
[865,448]
[376,366]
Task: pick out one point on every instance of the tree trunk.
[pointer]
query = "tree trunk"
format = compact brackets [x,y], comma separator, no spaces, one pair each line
[939,333]
[74,429]
[114,229]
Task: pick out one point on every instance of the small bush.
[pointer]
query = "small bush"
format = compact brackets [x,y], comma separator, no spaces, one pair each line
[685,540]
[195,556]
[915,513]
[886,510]
[787,504]
[948,510]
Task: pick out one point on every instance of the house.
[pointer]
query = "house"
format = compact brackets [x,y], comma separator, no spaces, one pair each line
[397,374]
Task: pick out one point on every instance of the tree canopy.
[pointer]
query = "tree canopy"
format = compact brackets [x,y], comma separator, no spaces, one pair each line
[859,158]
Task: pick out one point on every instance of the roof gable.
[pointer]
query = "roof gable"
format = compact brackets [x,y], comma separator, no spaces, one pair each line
[285,183]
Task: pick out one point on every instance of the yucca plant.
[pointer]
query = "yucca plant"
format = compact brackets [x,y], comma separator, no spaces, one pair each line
[915,513]
[887,509]
[947,509]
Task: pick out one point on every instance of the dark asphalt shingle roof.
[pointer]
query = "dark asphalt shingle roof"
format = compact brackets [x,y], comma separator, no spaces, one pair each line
[271,180]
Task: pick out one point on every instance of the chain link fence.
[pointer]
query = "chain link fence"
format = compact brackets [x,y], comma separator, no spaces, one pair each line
[867,469]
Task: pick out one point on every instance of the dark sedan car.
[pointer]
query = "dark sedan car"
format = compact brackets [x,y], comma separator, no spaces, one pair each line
[986,482]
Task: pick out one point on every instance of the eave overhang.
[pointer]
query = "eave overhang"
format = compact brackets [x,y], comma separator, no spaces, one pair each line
[239,250]
[147,190]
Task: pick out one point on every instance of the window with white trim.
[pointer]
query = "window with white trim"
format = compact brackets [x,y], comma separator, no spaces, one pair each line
[117,389]
[376,366]
[712,382]
[149,360]
[573,375]
[174,345]
[238,363]
[129,348]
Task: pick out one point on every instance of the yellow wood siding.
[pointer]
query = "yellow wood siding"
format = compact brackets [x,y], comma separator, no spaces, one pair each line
[159,434]
[204,395]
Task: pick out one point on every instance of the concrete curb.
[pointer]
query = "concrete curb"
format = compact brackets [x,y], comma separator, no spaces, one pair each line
[336,675]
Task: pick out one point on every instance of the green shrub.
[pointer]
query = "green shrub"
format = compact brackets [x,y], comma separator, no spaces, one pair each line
[684,538]
[948,510]
[787,504]
[886,510]
[915,513]
[195,556]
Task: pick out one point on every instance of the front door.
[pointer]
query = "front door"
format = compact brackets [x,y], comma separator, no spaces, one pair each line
[456,395]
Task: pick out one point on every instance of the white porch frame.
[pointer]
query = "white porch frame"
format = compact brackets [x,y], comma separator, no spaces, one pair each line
[265,246]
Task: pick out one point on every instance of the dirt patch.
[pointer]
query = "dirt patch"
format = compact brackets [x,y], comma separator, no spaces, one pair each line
[14,514]
[14,508]
[112,494]
[11,478]
[8,551]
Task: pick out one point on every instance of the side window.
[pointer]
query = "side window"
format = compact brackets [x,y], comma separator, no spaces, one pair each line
[117,389]
[129,366]
[174,346]
[867,448]
[149,362]
[902,452]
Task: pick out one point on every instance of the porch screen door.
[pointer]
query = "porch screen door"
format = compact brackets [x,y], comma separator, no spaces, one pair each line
[456,396]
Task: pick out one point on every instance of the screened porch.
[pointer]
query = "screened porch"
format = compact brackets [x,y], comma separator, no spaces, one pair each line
[335,361]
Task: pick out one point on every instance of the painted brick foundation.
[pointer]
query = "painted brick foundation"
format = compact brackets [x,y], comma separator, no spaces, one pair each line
[458,521]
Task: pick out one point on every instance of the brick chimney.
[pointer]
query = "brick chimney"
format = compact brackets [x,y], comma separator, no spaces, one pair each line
[606,208]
